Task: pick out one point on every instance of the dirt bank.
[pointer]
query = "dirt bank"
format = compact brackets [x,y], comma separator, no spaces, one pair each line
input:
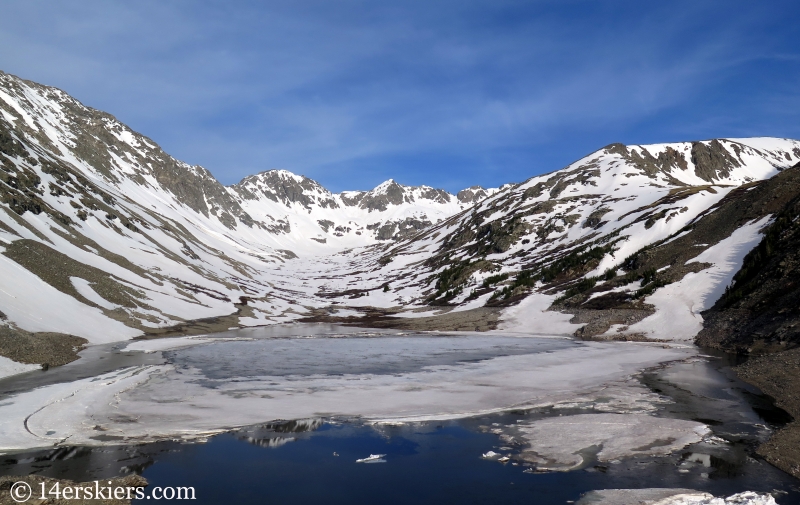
[480,319]
[42,348]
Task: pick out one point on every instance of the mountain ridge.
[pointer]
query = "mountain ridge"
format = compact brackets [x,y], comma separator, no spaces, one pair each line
[60,123]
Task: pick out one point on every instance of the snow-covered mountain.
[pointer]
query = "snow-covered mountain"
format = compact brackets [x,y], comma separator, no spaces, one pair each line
[296,206]
[106,237]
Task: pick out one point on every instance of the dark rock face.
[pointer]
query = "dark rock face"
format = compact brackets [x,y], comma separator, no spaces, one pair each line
[760,312]
[393,194]
[671,158]
[398,230]
[325,224]
[647,163]
[712,161]
[435,195]
[471,195]
[776,375]
[595,219]
[352,198]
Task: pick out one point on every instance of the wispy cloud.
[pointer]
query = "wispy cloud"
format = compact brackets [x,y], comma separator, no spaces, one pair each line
[448,93]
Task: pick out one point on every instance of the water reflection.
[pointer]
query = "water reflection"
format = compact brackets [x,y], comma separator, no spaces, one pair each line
[85,463]
[273,435]
[729,465]
[90,463]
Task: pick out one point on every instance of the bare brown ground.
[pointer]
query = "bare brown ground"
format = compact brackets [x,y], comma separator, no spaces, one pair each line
[480,319]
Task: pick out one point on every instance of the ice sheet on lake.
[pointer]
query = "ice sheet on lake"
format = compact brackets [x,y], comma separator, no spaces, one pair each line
[335,355]
[565,443]
[182,400]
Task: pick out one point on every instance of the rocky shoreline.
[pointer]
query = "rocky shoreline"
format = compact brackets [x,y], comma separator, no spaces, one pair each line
[778,375]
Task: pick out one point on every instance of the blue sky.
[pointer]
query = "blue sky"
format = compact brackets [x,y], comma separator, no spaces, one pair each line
[444,93]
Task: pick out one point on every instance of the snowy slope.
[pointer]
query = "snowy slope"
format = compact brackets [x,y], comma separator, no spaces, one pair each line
[619,199]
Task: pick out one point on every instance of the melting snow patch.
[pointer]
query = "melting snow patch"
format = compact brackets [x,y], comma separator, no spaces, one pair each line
[10,367]
[34,305]
[678,305]
[84,287]
[531,316]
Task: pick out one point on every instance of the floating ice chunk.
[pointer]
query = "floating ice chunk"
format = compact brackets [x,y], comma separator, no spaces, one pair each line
[372,458]
[490,455]
[560,443]
[714,440]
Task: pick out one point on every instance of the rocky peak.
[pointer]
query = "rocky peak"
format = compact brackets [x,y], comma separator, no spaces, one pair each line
[284,187]
[387,193]
[474,194]
[392,193]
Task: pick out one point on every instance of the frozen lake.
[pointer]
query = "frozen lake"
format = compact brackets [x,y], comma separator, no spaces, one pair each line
[468,413]
[352,354]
